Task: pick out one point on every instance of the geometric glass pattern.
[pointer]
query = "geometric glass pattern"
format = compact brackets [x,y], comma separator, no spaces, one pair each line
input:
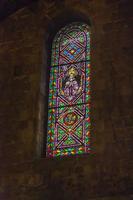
[69,92]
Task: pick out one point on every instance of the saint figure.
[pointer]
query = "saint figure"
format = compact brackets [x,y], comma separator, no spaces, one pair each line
[72,84]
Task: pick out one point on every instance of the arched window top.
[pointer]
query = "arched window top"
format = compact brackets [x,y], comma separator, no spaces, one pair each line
[74,38]
[69,92]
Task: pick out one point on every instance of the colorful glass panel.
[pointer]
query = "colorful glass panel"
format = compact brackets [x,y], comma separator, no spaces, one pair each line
[69,92]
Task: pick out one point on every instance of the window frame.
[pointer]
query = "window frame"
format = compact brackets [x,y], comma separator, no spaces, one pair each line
[49,32]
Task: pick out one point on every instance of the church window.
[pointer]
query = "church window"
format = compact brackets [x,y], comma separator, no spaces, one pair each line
[69,92]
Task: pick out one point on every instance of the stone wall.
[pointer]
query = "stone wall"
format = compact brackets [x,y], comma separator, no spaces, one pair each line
[105,174]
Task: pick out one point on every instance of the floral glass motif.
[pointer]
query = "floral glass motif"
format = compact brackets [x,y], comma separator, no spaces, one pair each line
[69,92]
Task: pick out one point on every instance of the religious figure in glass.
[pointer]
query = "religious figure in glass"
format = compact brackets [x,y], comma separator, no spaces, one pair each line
[69,92]
[72,84]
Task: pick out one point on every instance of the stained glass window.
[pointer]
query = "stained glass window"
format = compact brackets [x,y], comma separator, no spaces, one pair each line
[69,92]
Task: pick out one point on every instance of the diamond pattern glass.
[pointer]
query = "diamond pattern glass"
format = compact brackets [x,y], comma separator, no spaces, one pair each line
[69,92]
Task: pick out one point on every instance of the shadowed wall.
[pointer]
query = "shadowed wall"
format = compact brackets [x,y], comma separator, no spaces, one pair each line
[25,37]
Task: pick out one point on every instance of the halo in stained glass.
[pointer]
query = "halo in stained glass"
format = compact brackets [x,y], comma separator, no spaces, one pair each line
[69,92]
